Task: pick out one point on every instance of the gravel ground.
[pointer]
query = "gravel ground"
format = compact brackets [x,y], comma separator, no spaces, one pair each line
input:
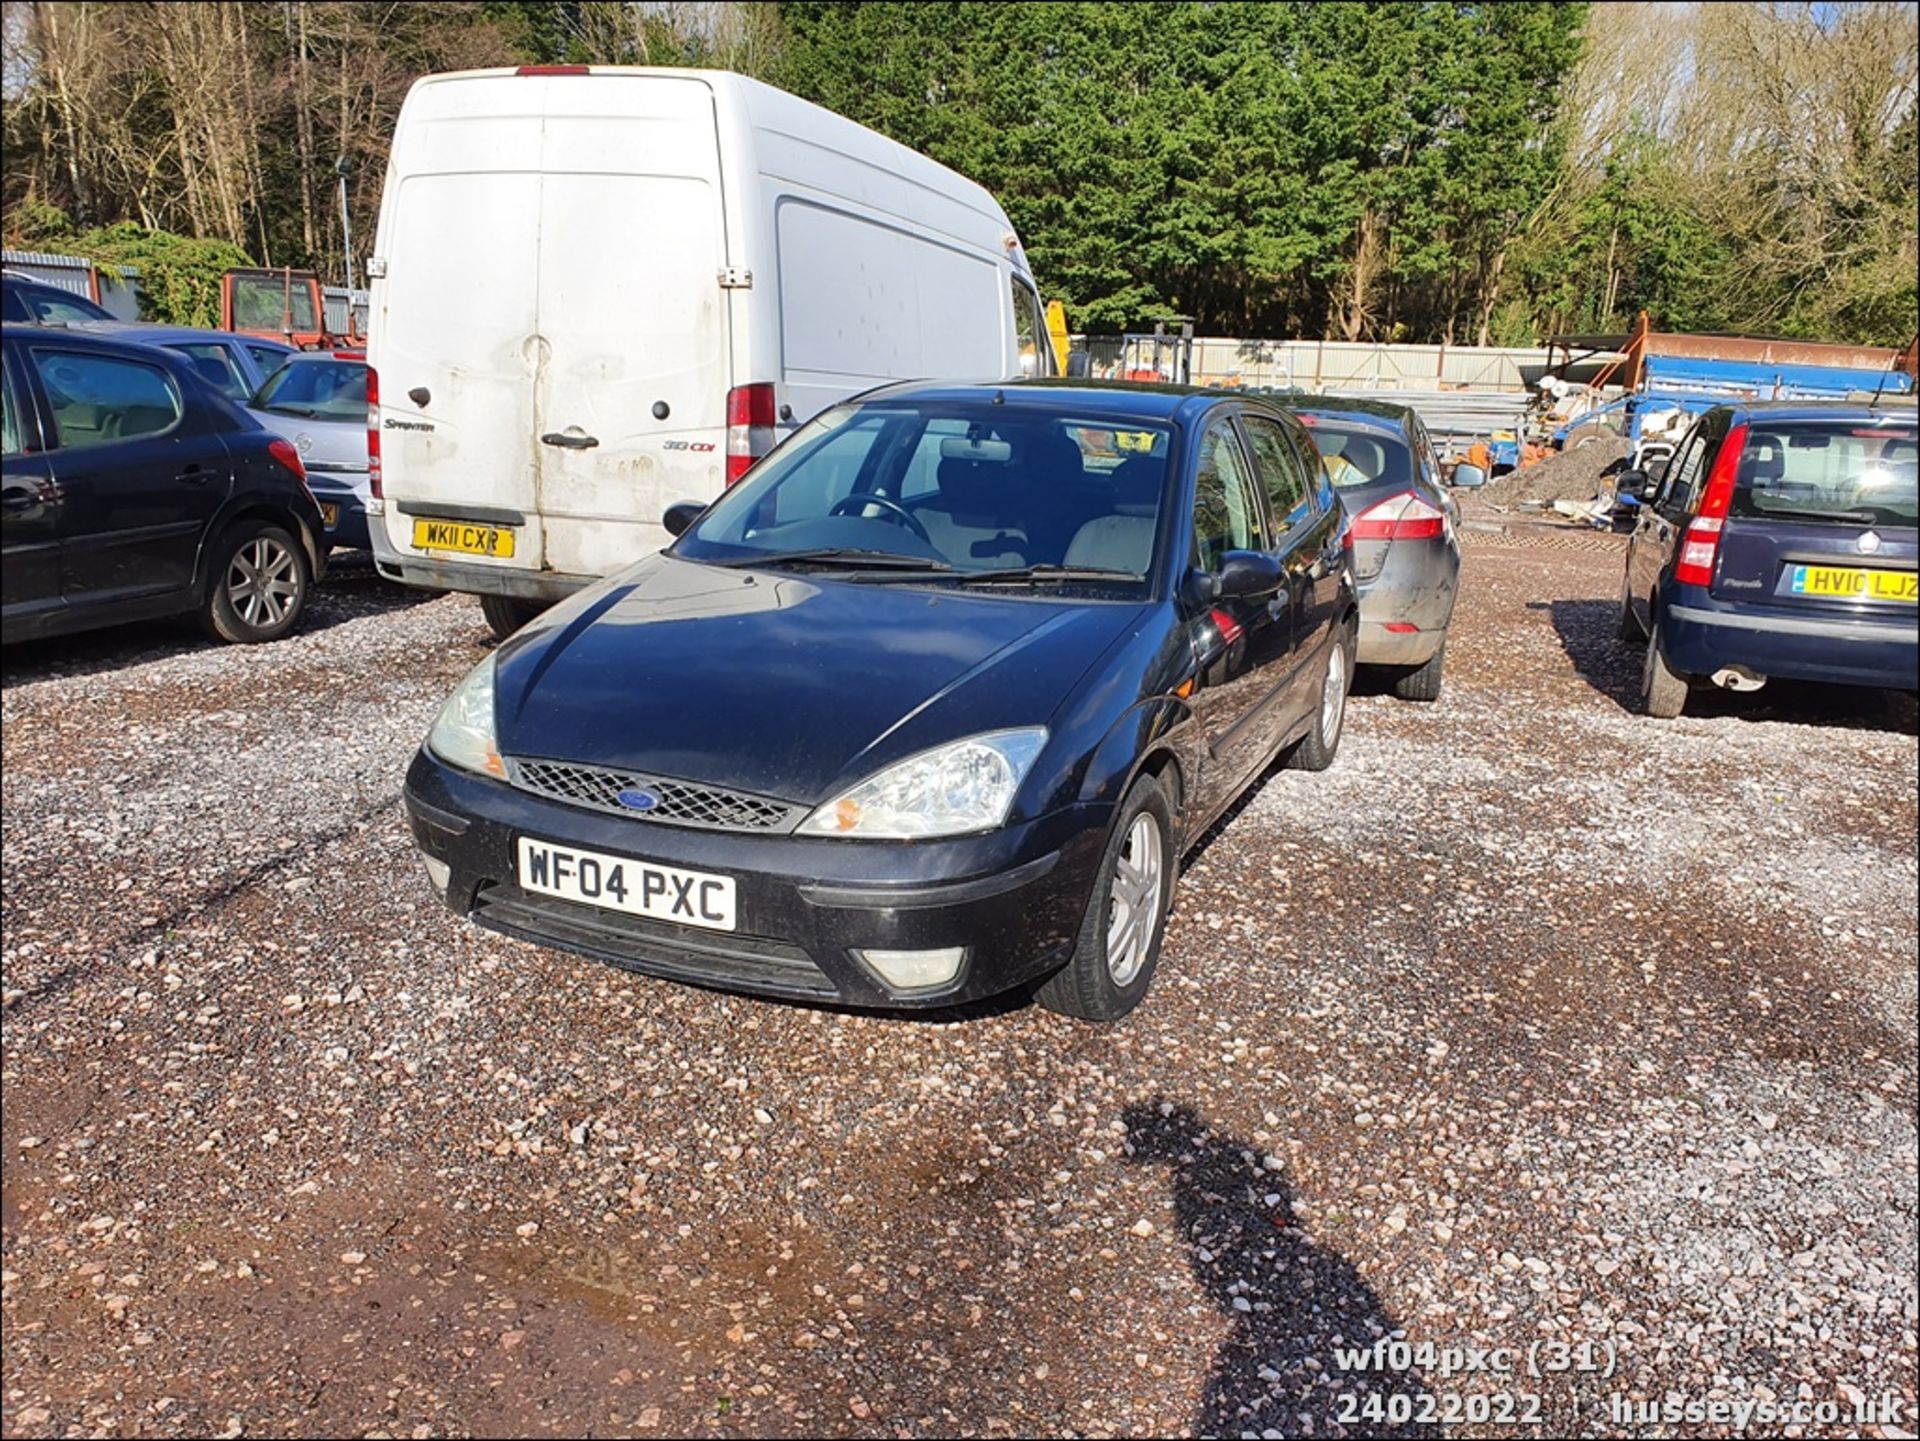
[1530,1022]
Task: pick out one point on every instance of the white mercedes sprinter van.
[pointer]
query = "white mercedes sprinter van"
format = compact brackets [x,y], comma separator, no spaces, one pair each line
[601,290]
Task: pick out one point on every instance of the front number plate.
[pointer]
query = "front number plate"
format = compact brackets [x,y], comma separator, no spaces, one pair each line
[619,883]
[466,539]
[1845,583]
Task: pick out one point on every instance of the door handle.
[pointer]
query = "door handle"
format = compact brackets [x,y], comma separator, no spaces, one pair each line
[572,438]
[194,475]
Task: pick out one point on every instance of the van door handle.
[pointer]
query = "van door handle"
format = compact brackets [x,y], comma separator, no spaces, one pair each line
[572,438]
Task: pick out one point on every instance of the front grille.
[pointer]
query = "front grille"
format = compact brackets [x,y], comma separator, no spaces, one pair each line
[679,803]
[658,948]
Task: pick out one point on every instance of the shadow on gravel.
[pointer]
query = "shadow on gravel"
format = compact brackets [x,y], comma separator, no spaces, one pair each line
[351,590]
[1295,1306]
[1612,666]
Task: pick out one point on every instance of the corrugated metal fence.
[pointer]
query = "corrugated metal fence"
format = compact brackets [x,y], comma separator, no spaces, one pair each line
[117,293]
[1343,365]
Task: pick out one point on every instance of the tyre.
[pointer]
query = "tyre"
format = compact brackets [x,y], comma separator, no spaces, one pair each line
[505,614]
[1663,690]
[1322,742]
[1119,942]
[1423,682]
[258,585]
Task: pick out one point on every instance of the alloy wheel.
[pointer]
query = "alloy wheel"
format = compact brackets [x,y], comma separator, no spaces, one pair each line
[1333,696]
[263,582]
[1134,908]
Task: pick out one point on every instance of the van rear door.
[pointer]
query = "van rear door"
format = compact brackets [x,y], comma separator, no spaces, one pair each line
[552,342]
[632,369]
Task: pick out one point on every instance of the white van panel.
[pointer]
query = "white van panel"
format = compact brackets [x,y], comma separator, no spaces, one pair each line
[863,302]
[474,438]
[553,248]
[627,328]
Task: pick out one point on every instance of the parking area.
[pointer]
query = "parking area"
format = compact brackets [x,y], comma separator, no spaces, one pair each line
[1531,1021]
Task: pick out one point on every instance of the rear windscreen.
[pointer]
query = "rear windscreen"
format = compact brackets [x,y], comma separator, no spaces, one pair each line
[1361,457]
[1846,472]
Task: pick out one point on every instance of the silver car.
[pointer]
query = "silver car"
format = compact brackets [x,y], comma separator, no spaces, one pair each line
[318,401]
[1406,552]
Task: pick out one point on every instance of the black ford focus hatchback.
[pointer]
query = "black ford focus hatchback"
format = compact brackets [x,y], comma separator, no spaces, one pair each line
[925,709]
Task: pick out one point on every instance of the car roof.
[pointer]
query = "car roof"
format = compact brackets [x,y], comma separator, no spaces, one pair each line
[1118,400]
[1892,407]
[89,339]
[148,334]
[307,357]
[1347,408]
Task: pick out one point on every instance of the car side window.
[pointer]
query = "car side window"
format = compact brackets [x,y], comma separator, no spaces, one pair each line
[267,358]
[11,431]
[1681,473]
[215,365]
[12,307]
[101,399]
[1424,461]
[1281,471]
[1030,330]
[1226,514]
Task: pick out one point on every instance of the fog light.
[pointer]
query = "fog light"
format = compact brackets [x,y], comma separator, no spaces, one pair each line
[916,970]
[439,872]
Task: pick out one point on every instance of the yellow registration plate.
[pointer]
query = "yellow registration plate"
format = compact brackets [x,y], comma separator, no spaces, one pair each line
[459,535]
[1843,583]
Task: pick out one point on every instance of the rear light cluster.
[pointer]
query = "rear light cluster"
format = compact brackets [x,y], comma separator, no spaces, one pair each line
[1400,517]
[1700,546]
[284,452]
[749,427]
[373,434]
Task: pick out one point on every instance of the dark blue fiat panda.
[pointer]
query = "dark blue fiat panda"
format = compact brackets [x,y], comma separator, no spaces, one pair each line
[1780,544]
[925,709]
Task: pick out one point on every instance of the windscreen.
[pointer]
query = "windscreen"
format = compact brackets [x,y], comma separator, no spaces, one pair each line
[1843,472]
[263,303]
[317,390]
[1355,457]
[971,488]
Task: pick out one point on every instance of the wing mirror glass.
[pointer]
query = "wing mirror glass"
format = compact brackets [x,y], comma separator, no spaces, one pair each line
[1467,477]
[680,515]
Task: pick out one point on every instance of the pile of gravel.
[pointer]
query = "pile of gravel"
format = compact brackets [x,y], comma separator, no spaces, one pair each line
[1579,474]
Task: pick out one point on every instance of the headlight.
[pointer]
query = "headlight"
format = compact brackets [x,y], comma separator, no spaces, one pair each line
[948,791]
[463,734]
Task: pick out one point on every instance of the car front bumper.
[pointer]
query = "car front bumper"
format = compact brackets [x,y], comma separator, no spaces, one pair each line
[804,907]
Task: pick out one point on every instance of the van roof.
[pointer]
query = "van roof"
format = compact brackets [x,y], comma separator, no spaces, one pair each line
[768,107]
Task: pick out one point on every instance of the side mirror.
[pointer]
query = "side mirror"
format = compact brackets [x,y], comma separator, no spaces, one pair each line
[678,516]
[1636,483]
[1467,477]
[1247,572]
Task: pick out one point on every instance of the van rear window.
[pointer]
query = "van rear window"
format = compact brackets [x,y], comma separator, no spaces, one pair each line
[1845,472]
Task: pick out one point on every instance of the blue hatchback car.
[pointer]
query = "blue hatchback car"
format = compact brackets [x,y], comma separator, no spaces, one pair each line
[1780,544]
[928,707]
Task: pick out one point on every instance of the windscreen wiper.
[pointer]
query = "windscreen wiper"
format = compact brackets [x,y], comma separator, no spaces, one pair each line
[1857,517]
[1030,574]
[838,558]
